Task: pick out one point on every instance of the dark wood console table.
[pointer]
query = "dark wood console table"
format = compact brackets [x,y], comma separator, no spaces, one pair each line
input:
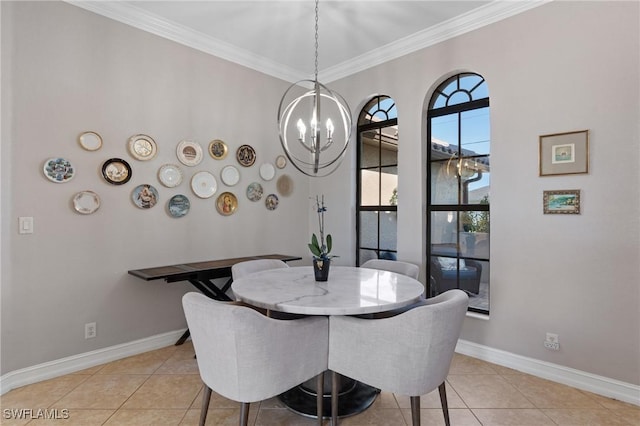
[201,275]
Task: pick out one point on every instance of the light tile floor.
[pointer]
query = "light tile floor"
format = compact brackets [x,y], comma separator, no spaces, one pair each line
[163,387]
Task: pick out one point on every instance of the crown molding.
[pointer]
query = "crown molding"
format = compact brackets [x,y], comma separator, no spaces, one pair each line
[130,15]
[139,18]
[488,14]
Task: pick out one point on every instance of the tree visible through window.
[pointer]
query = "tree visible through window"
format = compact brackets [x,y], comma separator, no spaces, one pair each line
[377,180]
[458,173]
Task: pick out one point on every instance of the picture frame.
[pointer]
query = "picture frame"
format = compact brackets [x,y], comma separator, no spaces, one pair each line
[564,153]
[566,201]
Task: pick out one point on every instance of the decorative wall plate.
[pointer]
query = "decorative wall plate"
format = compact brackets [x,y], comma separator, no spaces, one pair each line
[271,202]
[254,191]
[189,153]
[145,196]
[204,184]
[178,205]
[116,171]
[246,155]
[227,203]
[91,141]
[281,161]
[285,185]
[58,170]
[170,175]
[218,149]
[142,147]
[230,175]
[86,202]
[267,171]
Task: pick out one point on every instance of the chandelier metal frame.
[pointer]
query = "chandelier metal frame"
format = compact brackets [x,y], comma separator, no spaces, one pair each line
[308,159]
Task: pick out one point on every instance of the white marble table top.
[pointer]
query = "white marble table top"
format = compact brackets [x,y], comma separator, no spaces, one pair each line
[349,291]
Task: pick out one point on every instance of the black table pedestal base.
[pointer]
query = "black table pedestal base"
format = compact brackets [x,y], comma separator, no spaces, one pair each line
[354,397]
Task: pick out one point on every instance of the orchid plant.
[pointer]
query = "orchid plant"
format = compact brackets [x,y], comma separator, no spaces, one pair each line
[321,248]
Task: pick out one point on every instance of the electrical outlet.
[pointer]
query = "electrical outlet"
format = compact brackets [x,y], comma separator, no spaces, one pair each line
[90,330]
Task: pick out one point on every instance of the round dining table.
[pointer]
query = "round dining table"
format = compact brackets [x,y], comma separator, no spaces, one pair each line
[348,291]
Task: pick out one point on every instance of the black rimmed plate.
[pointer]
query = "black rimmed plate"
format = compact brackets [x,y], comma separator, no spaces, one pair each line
[116,171]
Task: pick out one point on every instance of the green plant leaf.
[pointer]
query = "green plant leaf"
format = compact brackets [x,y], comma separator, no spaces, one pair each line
[314,241]
[329,243]
[314,250]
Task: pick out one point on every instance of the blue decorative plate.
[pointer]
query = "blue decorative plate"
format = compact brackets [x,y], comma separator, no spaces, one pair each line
[58,170]
[178,205]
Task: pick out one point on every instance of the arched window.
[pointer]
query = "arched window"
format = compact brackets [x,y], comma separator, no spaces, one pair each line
[458,172]
[377,180]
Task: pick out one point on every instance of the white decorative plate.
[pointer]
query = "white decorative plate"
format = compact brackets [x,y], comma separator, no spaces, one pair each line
[58,170]
[204,184]
[142,147]
[91,141]
[267,171]
[170,175]
[285,185]
[189,153]
[271,202]
[230,175]
[254,191]
[145,196]
[281,161]
[86,202]
[178,205]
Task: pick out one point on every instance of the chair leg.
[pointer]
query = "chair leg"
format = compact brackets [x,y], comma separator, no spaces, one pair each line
[335,379]
[415,410]
[244,414]
[206,397]
[443,400]
[319,397]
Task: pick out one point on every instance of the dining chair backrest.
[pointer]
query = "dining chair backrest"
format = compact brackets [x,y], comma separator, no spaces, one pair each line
[248,357]
[242,269]
[407,354]
[397,266]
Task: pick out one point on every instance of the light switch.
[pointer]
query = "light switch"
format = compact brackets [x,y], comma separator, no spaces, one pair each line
[26,225]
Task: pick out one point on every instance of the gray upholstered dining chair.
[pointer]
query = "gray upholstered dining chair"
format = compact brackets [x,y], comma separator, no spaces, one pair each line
[407,354]
[404,268]
[248,357]
[247,267]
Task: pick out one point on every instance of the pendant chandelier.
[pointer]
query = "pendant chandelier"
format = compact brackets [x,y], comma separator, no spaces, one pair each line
[310,106]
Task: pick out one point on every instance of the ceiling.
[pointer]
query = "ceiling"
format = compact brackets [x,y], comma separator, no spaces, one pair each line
[277,37]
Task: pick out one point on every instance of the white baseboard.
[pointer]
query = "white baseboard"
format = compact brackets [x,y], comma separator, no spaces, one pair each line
[600,385]
[60,367]
[579,379]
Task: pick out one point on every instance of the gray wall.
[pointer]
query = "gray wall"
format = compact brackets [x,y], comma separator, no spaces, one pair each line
[66,70]
[562,66]
[559,67]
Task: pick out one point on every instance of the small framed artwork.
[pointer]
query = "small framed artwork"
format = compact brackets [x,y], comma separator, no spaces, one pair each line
[564,153]
[566,201]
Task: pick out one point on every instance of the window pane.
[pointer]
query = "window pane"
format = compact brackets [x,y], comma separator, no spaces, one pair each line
[444,182]
[366,255]
[369,151]
[474,134]
[444,233]
[444,136]
[469,81]
[389,185]
[370,188]
[478,181]
[481,300]
[388,231]
[459,98]
[389,146]
[369,229]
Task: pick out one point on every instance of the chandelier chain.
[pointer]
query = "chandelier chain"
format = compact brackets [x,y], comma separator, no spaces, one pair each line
[316,63]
